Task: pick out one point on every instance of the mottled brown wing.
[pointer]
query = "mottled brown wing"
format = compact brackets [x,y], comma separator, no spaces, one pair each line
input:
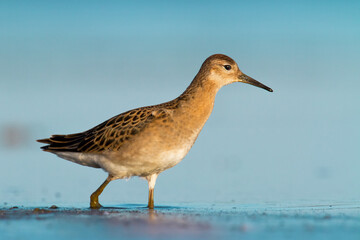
[109,135]
[112,134]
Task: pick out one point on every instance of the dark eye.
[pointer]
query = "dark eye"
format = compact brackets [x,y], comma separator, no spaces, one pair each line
[227,67]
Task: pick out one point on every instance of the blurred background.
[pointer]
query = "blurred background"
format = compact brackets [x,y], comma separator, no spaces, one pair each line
[66,66]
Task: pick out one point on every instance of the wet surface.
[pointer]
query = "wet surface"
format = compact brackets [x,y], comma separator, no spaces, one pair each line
[212,221]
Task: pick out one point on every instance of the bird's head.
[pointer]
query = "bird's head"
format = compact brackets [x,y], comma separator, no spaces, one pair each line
[222,70]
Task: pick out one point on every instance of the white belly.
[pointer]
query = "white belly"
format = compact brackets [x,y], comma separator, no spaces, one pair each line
[144,165]
[170,158]
[86,159]
[125,168]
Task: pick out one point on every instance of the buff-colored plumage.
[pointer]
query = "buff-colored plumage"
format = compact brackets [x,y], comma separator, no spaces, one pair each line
[148,140]
[110,135]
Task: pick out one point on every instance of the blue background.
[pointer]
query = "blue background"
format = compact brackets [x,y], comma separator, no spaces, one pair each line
[66,66]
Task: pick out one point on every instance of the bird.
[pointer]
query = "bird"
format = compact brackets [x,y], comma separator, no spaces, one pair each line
[148,140]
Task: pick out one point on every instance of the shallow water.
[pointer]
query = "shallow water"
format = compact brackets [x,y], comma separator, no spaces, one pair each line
[210,221]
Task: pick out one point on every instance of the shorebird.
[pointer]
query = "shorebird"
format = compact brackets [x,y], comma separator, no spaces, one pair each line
[146,141]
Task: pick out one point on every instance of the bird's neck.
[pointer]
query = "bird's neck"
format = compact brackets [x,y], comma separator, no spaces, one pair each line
[197,101]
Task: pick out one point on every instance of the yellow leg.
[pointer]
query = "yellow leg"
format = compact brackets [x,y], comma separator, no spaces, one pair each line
[94,198]
[151,181]
[151,199]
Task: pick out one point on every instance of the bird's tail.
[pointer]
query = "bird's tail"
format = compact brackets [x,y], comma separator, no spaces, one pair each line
[63,143]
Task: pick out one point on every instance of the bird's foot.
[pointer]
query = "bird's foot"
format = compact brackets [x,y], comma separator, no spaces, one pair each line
[94,202]
[151,205]
[95,205]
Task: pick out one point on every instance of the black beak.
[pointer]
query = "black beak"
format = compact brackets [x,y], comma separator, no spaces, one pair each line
[246,79]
